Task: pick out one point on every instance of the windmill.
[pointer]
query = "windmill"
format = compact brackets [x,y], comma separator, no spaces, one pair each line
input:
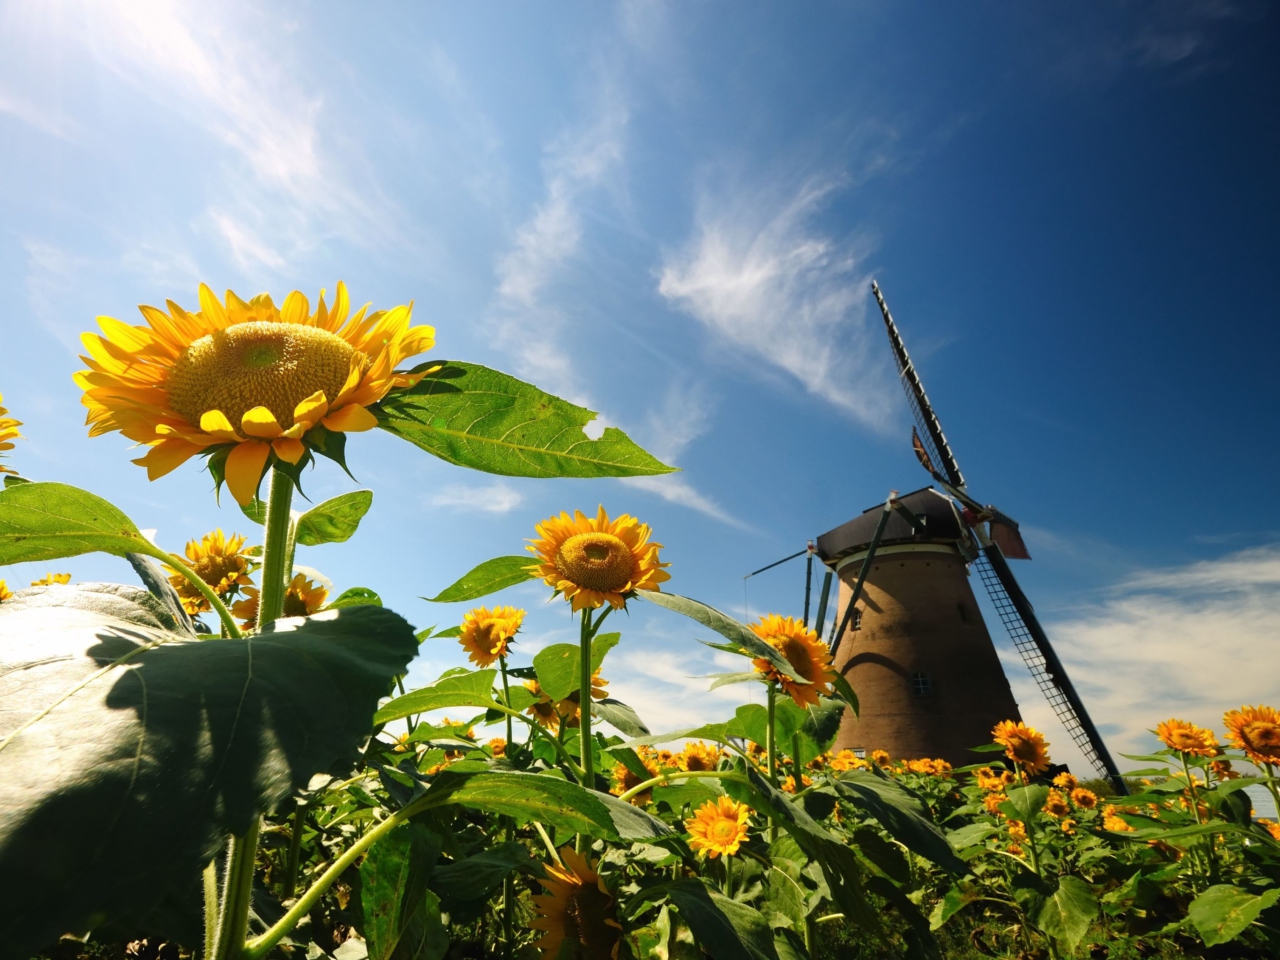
[993,540]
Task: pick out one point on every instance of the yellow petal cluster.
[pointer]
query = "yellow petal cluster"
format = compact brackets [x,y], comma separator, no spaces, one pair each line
[804,650]
[220,561]
[301,599]
[718,826]
[8,433]
[1023,745]
[577,912]
[245,377]
[487,634]
[595,560]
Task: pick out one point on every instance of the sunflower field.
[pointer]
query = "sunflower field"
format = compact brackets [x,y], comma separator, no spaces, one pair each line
[223,761]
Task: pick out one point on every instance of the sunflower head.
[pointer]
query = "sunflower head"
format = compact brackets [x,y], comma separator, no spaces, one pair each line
[1187,738]
[487,634]
[1055,805]
[1023,745]
[718,826]
[220,562]
[992,802]
[697,755]
[302,598]
[1255,730]
[8,433]
[788,784]
[1017,830]
[247,384]
[49,579]
[543,710]
[497,747]
[804,650]
[623,779]
[1222,770]
[597,561]
[1065,781]
[1084,798]
[577,910]
[1111,820]
[880,758]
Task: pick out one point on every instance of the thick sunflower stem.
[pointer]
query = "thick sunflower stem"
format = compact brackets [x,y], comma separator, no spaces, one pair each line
[584,702]
[506,696]
[242,854]
[771,746]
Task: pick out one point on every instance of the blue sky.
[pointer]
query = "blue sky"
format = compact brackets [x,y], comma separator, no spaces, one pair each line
[671,213]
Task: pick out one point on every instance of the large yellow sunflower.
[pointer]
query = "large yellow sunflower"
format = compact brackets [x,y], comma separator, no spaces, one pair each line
[697,755]
[597,561]
[302,598]
[1188,738]
[718,826]
[804,650]
[1256,730]
[220,562]
[487,634]
[1023,745]
[579,908]
[245,378]
[8,433]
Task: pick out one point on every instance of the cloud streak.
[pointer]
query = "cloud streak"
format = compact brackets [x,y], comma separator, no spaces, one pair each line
[765,283]
[492,498]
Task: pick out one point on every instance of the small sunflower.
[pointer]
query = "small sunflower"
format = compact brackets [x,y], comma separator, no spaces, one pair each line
[1055,805]
[8,433]
[697,755]
[992,802]
[568,708]
[1068,826]
[788,784]
[1222,770]
[718,826]
[245,381]
[1017,830]
[487,634]
[220,562]
[1187,738]
[1272,828]
[988,779]
[804,650]
[1256,730]
[497,747]
[1023,745]
[623,779]
[577,907]
[1084,798]
[1066,781]
[302,598]
[5,592]
[1111,820]
[880,758]
[594,562]
[49,579]
[847,760]
[543,710]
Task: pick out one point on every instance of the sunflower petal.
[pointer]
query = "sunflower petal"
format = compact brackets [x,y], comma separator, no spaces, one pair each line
[244,469]
[288,449]
[350,419]
[168,455]
[216,424]
[211,308]
[312,408]
[262,423]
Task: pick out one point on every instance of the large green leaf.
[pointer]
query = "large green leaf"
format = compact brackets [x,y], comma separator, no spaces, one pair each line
[558,665]
[622,717]
[480,418]
[1067,913]
[533,797]
[726,929]
[490,577]
[128,751]
[401,915]
[476,877]
[1223,912]
[46,521]
[747,642]
[902,814]
[474,689]
[335,520]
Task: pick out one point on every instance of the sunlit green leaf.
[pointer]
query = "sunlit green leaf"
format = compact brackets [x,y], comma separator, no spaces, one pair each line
[620,716]
[335,520]
[355,597]
[480,418]
[1223,912]
[468,689]
[47,521]
[1067,913]
[490,577]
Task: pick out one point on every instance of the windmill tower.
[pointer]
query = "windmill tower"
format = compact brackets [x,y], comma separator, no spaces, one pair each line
[910,638]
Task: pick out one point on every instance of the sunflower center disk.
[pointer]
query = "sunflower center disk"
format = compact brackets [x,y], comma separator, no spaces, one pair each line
[797,655]
[597,561]
[258,364]
[585,916]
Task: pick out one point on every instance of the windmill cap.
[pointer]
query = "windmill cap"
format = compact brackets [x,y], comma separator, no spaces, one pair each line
[941,525]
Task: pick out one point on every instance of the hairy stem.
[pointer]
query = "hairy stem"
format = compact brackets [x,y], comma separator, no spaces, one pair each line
[771,747]
[506,695]
[584,701]
[295,852]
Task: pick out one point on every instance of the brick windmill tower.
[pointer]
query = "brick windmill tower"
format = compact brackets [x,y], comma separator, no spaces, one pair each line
[909,636]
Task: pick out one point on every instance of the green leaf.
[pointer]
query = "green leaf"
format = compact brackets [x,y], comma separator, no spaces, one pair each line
[709,731]
[725,679]
[10,480]
[480,418]
[490,577]
[335,520]
[356,597]
[255,510]
[953,901]
[472,689]
[750,645]
[550,800]
[1223,912]
[822,722]
[120,735]
[47,521]
[1025,802]
[970,835]
[845,692]
[724,928]
[692,792]
[902,814]
[1066,914]
[401,915]
[621,716]
[558,665]
[475,878]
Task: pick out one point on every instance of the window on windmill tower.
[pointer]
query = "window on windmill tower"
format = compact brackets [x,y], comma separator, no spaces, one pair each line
[921,685]
[857,619]
[860,752]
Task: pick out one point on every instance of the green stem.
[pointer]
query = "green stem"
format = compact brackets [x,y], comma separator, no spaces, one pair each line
[206,591]
[668,775]
[506,696]
[1195,810]
[771,748]
[1272,786]
[233,919]
[258,947]
[555,741]
[728,876]
[210,906]
[584,701]
[295,852]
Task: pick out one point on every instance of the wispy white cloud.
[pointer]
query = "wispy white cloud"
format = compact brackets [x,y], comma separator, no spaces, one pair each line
[682,418]
[669,689]
[495,497]
[1188,641]
[41,118]
[765,282]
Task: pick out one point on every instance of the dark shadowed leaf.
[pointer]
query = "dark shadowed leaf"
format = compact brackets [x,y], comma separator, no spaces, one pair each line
[120,735]
[401,915]
[475,878]
[335,520]
[490,577]
[1223,912]
[902,814]
[480,418]
[726,929]
[622,717]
